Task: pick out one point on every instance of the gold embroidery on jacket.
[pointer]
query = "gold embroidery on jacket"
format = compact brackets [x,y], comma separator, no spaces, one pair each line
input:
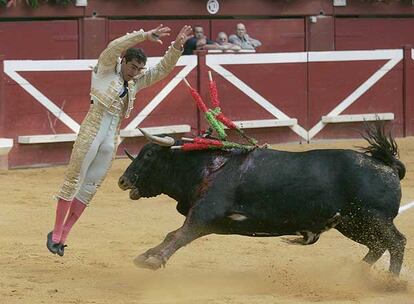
[105,87]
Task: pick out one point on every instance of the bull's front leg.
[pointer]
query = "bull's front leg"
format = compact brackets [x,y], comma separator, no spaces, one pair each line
[156,257]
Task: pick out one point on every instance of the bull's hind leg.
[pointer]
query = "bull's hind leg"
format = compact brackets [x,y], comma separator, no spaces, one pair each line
[396,247]
[378,234]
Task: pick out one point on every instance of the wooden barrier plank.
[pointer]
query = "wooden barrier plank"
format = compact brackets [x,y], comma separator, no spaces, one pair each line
[357,117]
[265,123]
[157,130]
[68,137]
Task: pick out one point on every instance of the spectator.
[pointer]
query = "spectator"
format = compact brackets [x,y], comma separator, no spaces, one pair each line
[198,42]
[223,43]
[243,40]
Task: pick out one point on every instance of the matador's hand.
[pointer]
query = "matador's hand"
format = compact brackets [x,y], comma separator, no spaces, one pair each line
[159,32]
[184,34]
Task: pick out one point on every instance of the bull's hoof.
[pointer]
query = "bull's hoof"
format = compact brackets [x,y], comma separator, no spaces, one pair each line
[308,238]
[394,283]
[295,241]
[148,262]
[333,221]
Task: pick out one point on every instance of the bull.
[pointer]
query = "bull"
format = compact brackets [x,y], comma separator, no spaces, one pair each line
[267,192]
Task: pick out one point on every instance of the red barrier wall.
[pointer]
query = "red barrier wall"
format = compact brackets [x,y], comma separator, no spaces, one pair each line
[283,85]
[370,34]
[93,37]
[408,91]
[320,33]
[278,35]
[26,116]
[327,89]
[39,40]
[118,28]
[303,90]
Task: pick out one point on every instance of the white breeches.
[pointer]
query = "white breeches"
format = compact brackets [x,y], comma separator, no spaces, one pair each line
[98,159]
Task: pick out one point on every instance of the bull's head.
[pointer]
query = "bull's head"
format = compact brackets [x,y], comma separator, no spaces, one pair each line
[147,172]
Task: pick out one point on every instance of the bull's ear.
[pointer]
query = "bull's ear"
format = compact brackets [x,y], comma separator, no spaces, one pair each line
[129,155]
[162,141]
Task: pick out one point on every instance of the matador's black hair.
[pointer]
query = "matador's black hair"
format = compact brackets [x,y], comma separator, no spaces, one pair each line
[135,53]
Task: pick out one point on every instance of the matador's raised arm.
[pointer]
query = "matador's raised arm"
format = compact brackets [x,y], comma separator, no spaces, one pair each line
[108,58]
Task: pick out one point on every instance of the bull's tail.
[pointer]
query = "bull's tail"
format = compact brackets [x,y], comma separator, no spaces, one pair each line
[382,146]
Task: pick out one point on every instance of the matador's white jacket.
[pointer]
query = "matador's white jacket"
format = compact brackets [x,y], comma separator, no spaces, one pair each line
[106,84]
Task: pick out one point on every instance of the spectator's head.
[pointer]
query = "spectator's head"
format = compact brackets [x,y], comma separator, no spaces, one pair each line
[133,63]
[198,32]
[222,38]
[240,30]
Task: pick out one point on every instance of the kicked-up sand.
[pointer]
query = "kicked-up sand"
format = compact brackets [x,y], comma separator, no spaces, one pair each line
[98,263]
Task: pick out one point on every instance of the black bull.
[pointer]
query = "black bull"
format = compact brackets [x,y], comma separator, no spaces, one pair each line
[272,193]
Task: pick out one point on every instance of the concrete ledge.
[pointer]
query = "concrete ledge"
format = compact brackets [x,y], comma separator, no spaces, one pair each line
[357,117]
[231,51]
[265,123]
[157,130]
[69,137]
[5,145]
[44,139]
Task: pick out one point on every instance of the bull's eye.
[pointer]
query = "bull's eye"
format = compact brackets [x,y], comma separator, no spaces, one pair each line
[148,154]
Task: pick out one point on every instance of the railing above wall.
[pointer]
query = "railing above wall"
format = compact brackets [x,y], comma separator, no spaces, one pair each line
[184,8]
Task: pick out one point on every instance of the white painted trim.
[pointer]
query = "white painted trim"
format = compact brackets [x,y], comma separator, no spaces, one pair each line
[354,55]
[231,51]
[357,117]
[163,93]
[5,145]
[81,2]
[73,65]
[157,130]
[265,123]
[69,137]
[50,138]
[296,57]
[412,54]
[48,65]
[212,60]
[406,207]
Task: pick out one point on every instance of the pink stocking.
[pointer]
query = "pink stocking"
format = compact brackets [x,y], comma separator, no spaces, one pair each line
[61,211]
[76,210]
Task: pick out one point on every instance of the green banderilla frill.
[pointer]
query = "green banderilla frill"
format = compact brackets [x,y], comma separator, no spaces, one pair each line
[215,124]
[232,145]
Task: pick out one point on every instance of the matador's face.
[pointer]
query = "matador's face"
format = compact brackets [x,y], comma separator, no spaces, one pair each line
[131,69]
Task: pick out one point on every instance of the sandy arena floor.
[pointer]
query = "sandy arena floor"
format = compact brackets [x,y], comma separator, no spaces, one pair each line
[97,266]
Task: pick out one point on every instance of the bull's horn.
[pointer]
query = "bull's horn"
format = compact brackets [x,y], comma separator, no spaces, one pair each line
[129,155]
[176,147]
[162,141]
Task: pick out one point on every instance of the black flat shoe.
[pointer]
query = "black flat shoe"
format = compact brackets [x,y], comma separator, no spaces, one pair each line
[61,249]
[52,246]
